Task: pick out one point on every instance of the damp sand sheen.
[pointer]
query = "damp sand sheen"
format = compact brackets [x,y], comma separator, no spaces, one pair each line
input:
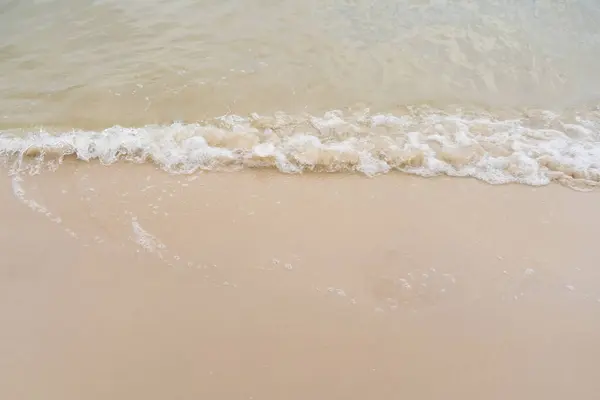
[299,199]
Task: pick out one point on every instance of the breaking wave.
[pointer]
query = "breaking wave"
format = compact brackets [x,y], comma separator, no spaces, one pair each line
[533,147]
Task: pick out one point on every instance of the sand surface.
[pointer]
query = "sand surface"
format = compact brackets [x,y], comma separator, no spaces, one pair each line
[124,282]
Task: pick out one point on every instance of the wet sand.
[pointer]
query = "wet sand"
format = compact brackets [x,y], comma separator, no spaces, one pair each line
[259,285]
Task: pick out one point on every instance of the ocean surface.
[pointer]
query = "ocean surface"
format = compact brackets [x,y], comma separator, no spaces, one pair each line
[503,91]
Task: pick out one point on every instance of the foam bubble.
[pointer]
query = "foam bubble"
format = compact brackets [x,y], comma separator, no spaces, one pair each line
[145,239]
[534,148]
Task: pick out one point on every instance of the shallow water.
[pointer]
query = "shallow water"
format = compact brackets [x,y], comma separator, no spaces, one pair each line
[504,91]
[126,282]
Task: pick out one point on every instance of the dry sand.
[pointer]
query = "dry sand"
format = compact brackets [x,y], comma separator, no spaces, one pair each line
[258,285]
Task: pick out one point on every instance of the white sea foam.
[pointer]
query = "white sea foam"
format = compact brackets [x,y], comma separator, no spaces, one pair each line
[20,194]
[533,147]
[145,239]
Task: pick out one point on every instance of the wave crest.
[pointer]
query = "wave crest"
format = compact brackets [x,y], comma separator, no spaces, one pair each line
[534,148]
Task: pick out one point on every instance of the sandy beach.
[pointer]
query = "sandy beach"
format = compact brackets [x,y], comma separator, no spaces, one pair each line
[299,200]
[258,285]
